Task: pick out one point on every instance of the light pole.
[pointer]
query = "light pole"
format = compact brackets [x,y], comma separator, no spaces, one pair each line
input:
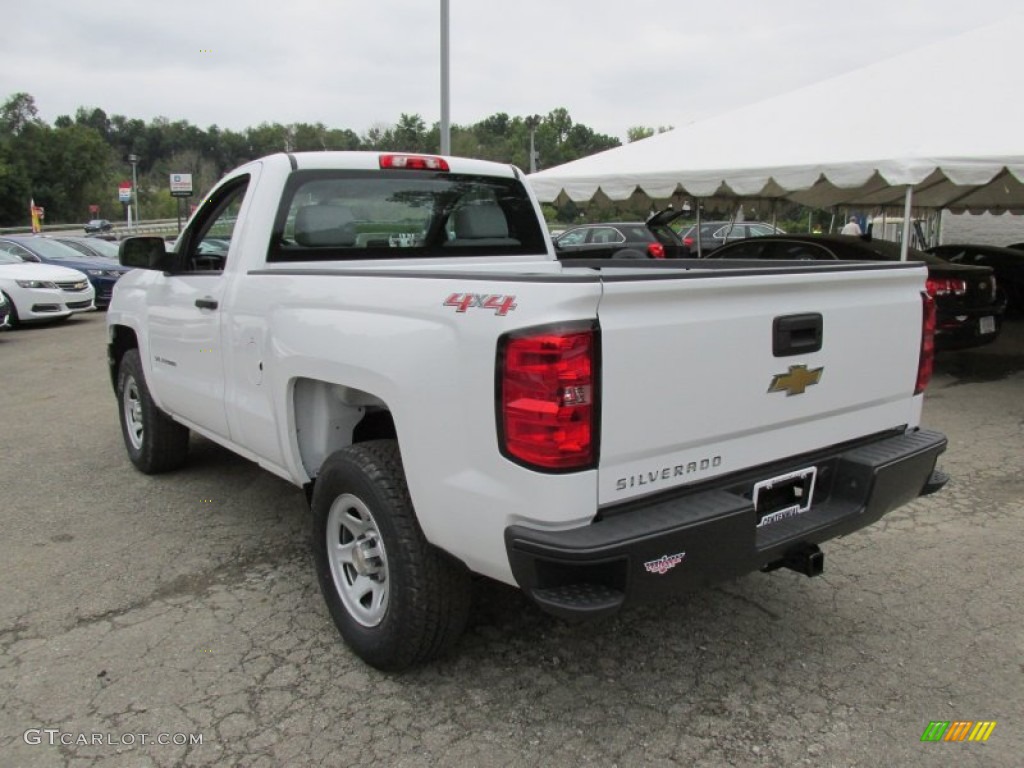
[446,130]
[134,160]
[531,124]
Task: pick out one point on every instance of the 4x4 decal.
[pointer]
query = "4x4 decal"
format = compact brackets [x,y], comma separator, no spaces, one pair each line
[501,305]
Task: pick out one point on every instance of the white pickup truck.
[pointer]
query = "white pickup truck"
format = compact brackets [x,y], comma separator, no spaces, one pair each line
[394,334]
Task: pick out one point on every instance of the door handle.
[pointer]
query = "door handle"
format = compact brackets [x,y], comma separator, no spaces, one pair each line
[206,303]
[797,334]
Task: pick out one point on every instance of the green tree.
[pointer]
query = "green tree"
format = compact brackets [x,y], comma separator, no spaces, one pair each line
[638,132]
[410,134]
[81,158]
[17,113]
[77,169]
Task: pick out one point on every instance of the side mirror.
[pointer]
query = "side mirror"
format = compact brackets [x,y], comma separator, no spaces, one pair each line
[145,253]
[31,257]
[558,245]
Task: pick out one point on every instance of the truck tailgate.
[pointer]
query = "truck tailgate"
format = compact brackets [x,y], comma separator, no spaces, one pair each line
[708,373]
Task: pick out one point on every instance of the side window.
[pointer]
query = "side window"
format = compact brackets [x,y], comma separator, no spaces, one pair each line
[573,237]
[759,230]
[735,232]
[605,235]
[206,248]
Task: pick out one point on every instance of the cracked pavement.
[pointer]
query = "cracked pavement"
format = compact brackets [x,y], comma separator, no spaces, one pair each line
[186,603]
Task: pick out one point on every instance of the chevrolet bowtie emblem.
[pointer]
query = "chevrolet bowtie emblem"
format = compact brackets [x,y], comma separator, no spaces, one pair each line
[796,380]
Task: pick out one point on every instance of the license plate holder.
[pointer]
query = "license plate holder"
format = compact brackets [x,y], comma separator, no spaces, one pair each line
[987,324]
[784,496]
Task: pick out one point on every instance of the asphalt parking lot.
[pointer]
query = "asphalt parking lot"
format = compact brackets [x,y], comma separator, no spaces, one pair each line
[184,607]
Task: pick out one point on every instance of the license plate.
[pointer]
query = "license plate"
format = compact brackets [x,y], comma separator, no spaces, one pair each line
[987,324]
[784,496]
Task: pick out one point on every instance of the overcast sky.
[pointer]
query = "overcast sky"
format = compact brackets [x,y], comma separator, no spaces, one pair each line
[612,64]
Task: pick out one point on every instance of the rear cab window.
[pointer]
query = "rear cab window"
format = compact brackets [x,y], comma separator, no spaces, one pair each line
[387,214]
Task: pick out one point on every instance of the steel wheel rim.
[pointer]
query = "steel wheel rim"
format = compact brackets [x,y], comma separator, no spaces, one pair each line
[358,561]
[133,412]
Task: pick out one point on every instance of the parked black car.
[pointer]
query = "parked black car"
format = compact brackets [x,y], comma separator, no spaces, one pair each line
[651,239]
[968,306]
[97,225]
[1007,264]
[714,234]
[100,271]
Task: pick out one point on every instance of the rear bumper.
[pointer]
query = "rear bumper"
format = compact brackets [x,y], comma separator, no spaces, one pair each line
[670,545]
[971,328]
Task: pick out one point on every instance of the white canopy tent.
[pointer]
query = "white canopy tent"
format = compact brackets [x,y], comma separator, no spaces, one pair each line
[941,126]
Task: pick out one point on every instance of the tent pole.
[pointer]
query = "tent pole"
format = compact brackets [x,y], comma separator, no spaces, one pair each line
[699,255]
[773,214]
[905,245]
[732,220]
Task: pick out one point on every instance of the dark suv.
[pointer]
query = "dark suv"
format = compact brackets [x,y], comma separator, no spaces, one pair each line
[651,239]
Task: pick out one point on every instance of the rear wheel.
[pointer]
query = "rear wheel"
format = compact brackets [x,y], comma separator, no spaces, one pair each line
[629,253]
[396,600]
[155,442]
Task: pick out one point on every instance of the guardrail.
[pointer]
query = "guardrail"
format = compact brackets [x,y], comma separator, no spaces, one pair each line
[148,227]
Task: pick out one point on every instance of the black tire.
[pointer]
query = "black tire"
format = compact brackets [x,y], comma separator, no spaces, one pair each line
[629,253]
[12,318]
[396,600]
[155,442]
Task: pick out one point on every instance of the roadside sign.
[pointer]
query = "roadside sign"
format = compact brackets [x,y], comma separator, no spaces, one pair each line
[181,185]
[124,191]
[94,210]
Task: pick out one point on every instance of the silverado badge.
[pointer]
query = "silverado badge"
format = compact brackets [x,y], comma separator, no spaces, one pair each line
[796,380]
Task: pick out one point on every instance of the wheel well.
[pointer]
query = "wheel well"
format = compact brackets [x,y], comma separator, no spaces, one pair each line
[329,417]
[375,425]
[122,339]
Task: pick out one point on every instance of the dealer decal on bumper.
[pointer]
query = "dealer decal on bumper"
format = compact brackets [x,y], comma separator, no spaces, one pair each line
[664,564]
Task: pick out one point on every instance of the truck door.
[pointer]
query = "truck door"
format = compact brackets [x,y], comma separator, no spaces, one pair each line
[185,316]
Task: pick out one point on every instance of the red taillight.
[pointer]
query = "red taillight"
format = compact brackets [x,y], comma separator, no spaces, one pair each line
[656,250]
[945,286]
[547,392]
[688,242]
[414,162]
[927,360]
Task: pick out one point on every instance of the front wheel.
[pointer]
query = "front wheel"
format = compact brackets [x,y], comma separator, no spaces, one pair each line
[12,317]
[396,600]
[155,442]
